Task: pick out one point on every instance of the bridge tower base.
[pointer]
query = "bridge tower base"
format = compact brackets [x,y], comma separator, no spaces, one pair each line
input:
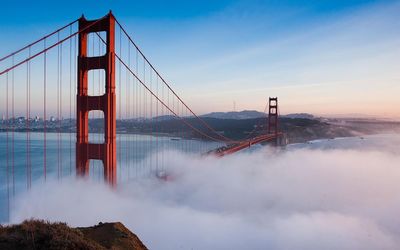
[85,151]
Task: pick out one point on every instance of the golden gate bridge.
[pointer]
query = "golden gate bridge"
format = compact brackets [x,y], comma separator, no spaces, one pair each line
[93,70]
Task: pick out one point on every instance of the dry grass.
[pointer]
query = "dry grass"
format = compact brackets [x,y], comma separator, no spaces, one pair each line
[39,234]
[113,236]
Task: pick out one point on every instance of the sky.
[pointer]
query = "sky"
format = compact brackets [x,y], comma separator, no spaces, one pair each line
[333,58]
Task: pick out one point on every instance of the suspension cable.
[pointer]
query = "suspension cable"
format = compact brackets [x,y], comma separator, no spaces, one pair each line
[224,138]
[50,47]
[37,41]
[172,111]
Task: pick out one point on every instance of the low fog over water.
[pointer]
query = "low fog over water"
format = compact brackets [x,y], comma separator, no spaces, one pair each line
[327,194]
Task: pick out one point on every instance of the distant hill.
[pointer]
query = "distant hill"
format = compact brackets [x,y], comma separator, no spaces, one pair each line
[37,234]
[232,115]
[163,118]
[252,114]
[236,115]
[299,115]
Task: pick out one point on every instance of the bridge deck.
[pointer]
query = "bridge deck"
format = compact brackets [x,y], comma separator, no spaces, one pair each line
[235,147]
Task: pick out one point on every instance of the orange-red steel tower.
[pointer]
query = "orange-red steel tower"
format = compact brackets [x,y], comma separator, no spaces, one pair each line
[85,151]
[273,116]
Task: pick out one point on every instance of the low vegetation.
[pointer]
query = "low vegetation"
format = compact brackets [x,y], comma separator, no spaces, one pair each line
[38,234]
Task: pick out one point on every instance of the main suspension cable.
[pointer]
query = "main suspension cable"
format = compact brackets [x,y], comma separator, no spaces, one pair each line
[224,138]
[172,111]
[37,41]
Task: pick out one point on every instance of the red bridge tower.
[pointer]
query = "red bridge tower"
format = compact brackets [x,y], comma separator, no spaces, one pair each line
[273,116]
[85,151]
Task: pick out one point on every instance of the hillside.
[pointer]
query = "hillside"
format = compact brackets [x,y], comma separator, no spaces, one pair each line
[237,115]
[37,234]
[297,129]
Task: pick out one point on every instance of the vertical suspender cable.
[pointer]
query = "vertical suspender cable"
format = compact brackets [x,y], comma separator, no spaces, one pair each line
[150,123]
[58,108]
[183,127]
[157,127]
[161,127]
[126,117]
[27,127]
[61,115]
[131,111]
[137,144]
[13,129]
[7,153]
[168,113]
[131,116]
[134,116]
[144,106]
[70,102]
[44,113]
[29,131]
[144,119]
[119,104]
[186,138]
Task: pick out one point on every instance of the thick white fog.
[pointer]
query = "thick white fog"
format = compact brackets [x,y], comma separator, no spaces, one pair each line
[305,197]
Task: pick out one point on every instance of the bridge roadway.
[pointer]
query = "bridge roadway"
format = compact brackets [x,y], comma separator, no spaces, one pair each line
[235,147]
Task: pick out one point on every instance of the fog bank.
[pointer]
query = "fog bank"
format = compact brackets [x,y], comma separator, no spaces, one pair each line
[302,198]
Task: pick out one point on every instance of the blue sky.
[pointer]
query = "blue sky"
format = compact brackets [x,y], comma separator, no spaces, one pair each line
[322,57]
